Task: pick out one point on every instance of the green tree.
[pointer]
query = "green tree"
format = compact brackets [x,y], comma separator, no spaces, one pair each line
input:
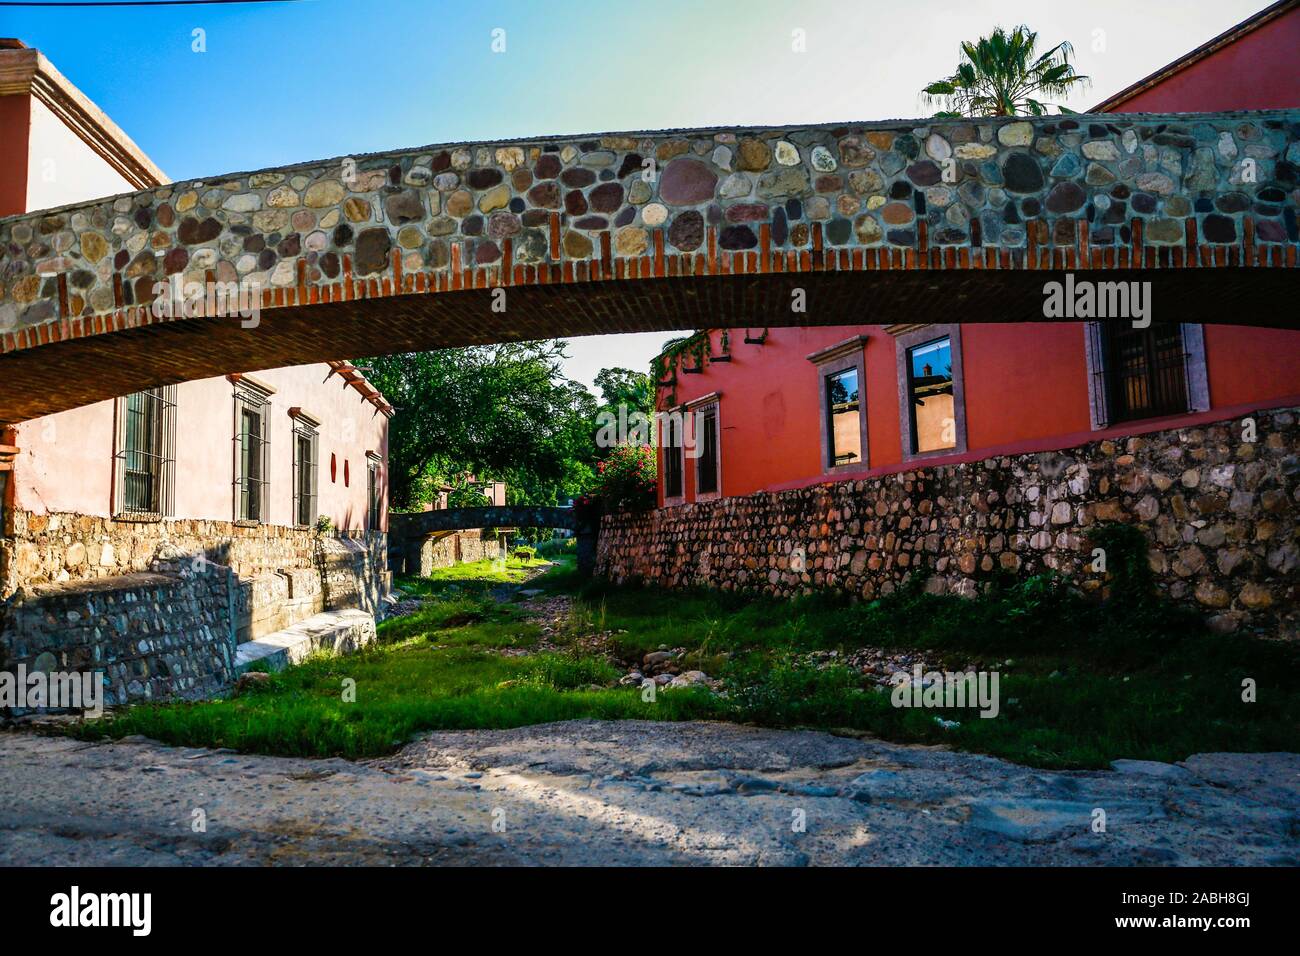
[623,386]
[1002,75]
[500,411]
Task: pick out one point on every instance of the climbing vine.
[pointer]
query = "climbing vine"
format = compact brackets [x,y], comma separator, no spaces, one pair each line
[668,364]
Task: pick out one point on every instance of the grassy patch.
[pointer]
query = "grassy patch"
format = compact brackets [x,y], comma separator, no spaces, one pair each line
[1081,682]
[401,690]
[472,576]
[434,669]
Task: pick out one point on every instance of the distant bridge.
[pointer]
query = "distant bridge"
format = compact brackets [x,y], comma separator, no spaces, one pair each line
[426,523]
[408,532]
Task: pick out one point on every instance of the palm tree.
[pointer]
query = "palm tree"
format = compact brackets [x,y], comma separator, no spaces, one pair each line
[1000,76]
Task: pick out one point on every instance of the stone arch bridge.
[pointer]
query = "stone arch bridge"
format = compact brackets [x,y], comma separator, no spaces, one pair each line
[408,532]
[933,220]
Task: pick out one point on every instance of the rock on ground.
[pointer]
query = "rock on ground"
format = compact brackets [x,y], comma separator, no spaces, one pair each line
[634,792]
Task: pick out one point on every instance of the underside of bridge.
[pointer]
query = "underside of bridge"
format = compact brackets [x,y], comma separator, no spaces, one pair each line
[906,221]
[78,371]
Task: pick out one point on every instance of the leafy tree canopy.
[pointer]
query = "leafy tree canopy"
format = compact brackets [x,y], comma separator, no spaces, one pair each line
[501,412]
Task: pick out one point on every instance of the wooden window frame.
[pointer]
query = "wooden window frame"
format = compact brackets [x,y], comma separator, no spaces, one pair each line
[903,345]
[700,409]
[677,452]
[849,354]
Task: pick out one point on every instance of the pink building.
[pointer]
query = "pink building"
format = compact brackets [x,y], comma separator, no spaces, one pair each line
[258,498]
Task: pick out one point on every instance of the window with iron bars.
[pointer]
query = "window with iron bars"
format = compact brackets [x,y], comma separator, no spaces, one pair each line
[144,459]
[1142,372]
[672,456]
[374,495]
[252,449]
[305,466]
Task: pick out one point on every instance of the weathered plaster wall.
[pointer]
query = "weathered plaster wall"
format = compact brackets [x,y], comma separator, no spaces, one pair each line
[1219,512]
[66,459]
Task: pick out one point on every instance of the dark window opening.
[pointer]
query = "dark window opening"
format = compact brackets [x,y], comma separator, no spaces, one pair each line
[672,452]
[843,418]
[374,498]
[304,473]
[251,450]
[706,474]
[1145,371]
[146,453]
[930,392]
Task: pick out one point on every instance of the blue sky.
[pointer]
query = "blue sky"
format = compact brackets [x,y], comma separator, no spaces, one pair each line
[289,82]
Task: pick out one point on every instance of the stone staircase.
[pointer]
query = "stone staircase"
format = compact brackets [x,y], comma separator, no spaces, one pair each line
[342,631]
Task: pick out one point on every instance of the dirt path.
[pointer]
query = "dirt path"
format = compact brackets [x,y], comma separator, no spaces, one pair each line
[633,792]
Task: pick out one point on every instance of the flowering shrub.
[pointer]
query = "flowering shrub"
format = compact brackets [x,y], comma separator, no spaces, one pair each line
[626,479]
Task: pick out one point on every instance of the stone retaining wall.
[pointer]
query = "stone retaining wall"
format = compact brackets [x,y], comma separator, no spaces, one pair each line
[1219,512]
[458,547]
[56,548]
[152,635]
[162,605]
[422,554]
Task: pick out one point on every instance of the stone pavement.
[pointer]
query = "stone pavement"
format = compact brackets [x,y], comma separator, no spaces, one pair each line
[634,792]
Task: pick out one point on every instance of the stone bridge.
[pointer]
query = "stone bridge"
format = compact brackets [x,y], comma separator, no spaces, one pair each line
[933,220]
[408,531]
[424,523]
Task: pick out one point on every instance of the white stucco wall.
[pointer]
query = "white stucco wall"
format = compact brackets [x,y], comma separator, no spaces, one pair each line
[66,460]
[61,168]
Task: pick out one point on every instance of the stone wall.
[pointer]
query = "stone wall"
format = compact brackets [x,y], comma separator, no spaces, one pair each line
[163,605]
[152,635]
[57,548]
[285,574]
[1203,194]
[1219,513]
[445,550]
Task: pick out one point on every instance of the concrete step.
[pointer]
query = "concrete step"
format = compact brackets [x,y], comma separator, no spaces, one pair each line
[342,632]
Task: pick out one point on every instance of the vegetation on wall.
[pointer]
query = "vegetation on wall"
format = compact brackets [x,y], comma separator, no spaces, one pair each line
[689,352]
[627,478]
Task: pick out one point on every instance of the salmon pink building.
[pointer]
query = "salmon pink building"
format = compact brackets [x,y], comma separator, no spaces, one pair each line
[161,535]
[848,457]
[780,408]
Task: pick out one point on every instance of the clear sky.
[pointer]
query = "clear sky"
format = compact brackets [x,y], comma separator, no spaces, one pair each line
[290,82]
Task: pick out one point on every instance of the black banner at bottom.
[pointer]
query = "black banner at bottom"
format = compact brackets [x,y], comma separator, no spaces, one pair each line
[335,905]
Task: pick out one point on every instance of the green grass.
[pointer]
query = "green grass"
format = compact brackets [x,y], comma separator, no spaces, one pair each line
[401,690]
[434,669]
[472,576]
[1081,682]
